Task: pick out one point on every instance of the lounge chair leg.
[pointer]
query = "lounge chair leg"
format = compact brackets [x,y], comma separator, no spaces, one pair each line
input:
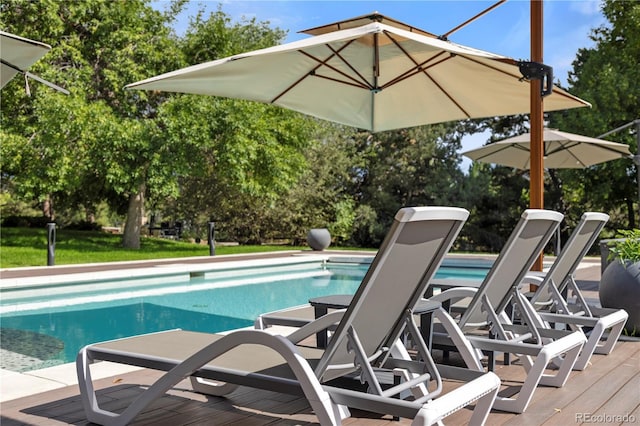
[211,387]
[614,334]
[433,411]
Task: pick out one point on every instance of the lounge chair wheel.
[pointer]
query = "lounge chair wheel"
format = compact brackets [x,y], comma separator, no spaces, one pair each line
[212,387]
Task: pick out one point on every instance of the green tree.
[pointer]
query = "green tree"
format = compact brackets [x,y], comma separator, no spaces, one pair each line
[89,146]
[243,156]
[408,167]
[136,148]
[322,196]
[606,75]
[494,196]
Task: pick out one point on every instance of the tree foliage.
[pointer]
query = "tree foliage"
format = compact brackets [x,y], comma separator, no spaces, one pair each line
[126,147]
[89,146]
[606,75]
[262,172]
[408,167]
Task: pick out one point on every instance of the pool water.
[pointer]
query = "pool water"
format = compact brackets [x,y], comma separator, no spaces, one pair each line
[54,332]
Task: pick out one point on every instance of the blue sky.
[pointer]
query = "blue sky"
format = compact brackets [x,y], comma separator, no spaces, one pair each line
[505,30]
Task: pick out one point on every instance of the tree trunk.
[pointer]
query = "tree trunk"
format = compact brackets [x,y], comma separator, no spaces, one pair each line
[47,209]
[90,214]
[631,214]
[133,224]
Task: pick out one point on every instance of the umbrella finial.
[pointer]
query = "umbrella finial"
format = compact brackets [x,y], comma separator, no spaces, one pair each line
[376,16]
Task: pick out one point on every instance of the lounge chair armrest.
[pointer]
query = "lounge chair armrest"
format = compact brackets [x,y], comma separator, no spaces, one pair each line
[487,344]
[406,364]
[567,341]
[461,374]
[320,324]
[569,319]
[532,278]
[454,293]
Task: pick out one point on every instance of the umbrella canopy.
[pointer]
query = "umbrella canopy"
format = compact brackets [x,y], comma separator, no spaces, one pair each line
[17,54]
[562,150]
[369,72]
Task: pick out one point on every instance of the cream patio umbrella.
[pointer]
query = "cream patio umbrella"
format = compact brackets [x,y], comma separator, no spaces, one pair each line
[561,150]
[370,72]
[17,54]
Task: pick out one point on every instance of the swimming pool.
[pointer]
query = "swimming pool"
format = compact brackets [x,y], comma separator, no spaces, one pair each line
[46,325]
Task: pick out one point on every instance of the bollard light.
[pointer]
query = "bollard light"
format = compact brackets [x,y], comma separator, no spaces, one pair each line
[211,238]
[51,244]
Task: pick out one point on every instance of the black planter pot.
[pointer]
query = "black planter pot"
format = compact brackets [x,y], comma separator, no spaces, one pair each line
[620,288]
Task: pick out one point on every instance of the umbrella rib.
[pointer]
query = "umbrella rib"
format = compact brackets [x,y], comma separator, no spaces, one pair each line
[35,77]
[355,82]
[496,151]
[364,83]
[563,146]
[420,68]
[10,65]
[567,148]
[492,67]
[320,64]
[336,53]
[448,95]
[348,83]
[411,71]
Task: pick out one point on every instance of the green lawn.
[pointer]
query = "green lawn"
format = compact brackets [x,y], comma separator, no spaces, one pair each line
[21,247]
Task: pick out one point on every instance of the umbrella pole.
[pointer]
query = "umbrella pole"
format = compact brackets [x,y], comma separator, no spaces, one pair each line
[536,200]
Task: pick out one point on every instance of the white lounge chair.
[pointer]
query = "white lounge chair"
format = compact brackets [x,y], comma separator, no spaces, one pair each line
[535,346]
[553,307]
[378,315]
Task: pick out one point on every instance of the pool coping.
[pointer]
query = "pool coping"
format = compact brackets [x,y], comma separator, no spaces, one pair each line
[51,275]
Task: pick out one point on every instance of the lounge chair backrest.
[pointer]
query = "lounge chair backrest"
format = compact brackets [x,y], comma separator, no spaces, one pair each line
[397,279]
[565,265]
[531,234]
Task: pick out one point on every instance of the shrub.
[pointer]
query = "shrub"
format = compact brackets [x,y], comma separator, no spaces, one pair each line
[626,248]
[15,221]
[84,225]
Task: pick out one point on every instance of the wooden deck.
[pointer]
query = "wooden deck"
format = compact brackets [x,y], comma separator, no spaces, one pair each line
[607,392]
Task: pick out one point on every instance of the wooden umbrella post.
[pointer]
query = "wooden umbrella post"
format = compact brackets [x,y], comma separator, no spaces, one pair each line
[536,189]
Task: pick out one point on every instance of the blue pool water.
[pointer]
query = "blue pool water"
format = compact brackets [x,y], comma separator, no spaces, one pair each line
[53,333]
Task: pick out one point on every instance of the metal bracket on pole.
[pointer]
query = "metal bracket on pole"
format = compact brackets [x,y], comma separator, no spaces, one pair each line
[51,244]
[211,238]
[538,71]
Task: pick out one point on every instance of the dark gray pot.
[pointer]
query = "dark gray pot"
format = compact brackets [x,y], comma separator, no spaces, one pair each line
[319,238]
[620,288]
